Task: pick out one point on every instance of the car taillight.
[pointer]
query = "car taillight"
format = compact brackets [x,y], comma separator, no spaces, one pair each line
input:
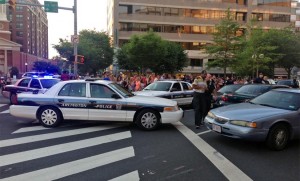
[224,98]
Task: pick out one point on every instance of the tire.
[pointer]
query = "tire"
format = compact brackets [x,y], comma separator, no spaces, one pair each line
[148,119]
[49,117]
[278,137]
[13,99]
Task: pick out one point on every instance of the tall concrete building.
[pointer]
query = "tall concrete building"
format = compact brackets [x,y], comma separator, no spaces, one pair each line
[23,36]
[192,22]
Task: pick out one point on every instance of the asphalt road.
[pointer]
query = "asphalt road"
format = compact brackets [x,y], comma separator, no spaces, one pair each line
[79,150]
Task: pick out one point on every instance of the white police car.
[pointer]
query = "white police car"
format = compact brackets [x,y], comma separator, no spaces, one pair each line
[176,90]
[95,100]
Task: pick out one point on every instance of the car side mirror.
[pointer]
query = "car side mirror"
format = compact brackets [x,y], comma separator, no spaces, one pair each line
[115,96]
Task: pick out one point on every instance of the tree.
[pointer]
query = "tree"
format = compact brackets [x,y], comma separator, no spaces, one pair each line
[94,46]
[149,51]
[42,66]
[287,53]
[96,49]
[226,43]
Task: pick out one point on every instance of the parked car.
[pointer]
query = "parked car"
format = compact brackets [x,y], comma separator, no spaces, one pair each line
[27,84]
[289,82]
[225,90]
[97,100]
[272,117]
[176,90]
[247,92]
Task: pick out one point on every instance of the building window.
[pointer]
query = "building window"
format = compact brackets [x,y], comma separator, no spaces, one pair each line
[196,62]
[19,33]
[19,17]
[19,25]
[19,8]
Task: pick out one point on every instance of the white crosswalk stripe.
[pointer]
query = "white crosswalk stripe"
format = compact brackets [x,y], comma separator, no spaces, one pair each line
[59,171]
[74,167]
[30,139]
[61,148]
[4,112]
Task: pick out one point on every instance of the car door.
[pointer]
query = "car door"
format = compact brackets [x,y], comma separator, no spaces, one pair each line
[72,101]
[176,93]
[34,85]
[22,86]
[188,93]
[102,106]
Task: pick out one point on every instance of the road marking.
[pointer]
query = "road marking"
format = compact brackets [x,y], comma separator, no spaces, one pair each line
[30,139]
[228,169]
[61,148]
[1,105]
[4,112]
[204,132]
[74,167]
[132,176]
[29,129]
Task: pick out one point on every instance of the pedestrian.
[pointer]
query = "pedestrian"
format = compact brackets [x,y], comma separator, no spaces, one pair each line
[209,92]
[259,79]
[199,101]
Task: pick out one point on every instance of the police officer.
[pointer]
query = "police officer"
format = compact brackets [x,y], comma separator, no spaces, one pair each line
[199,100]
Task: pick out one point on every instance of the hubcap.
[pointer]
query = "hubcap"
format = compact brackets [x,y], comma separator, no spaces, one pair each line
[49,117]
[149,120]
[280,137]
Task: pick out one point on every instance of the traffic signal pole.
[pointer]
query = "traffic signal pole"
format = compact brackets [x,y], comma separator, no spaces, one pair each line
[54,9]
[75,33]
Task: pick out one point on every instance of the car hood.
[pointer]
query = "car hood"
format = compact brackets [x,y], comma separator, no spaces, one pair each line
[150,93]
[247,111]
[151,100]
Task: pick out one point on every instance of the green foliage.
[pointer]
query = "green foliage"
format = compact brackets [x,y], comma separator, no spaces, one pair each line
[150,51]
[41,66]
[226,43]
[94,46]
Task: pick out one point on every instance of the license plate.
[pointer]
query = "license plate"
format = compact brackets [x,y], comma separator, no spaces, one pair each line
[216,128]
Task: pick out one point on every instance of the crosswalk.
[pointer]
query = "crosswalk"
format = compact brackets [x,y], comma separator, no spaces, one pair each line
[28,154]
[5,111]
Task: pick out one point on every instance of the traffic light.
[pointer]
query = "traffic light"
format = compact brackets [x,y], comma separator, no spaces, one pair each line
[80,59]
[12,4]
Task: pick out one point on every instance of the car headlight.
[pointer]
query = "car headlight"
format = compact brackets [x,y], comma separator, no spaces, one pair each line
[211,115]
[244,123]
[171,109]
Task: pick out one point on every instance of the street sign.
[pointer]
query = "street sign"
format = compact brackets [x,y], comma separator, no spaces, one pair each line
[75,39]
[2,1]
[51,6]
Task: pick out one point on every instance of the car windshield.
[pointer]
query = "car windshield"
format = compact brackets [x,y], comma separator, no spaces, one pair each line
[252,89]
[159,86]
[47,83]
[121,90]
[279,99]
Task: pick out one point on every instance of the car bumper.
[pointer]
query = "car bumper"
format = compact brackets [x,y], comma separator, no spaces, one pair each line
[23,111]
[171,117]
[235,131]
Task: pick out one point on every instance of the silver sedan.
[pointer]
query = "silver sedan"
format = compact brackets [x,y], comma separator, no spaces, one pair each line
[273,117]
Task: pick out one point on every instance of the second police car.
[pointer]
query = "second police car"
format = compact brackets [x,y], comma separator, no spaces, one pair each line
[176,90]
[95,100]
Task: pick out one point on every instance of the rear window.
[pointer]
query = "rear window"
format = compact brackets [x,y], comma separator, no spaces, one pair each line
[253,89]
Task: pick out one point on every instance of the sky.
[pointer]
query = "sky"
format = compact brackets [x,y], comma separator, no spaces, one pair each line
[91,14]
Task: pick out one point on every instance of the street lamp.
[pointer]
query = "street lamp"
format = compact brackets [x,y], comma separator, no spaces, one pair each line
[255,58]
[26,66]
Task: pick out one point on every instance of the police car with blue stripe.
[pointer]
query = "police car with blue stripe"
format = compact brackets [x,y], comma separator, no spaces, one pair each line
[95,100]
[177,90]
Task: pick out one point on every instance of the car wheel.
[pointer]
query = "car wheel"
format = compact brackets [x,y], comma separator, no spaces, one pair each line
[49,117]
[147,119]
[13,98]
[278,137]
